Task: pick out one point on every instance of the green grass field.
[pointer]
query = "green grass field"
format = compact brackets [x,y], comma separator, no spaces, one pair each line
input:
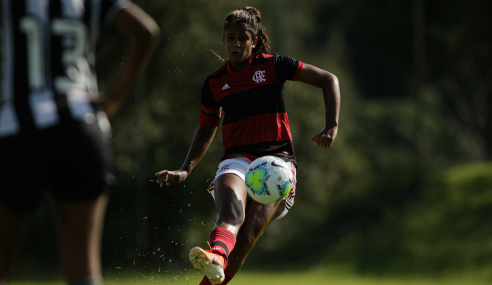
[332,277]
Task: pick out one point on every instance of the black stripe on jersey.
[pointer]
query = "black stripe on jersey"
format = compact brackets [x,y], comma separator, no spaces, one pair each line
[260,61]
[263,99]
[207,98]
[281,149]
[286,67]
[20,68]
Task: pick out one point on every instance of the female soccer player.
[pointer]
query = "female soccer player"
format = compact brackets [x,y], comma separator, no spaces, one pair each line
[52,135]
[249,87]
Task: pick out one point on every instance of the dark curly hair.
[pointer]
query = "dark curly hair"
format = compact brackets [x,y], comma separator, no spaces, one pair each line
[251,17]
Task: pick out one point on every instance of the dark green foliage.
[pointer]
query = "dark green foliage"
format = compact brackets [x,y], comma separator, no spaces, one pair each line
[444,231]
[389,196]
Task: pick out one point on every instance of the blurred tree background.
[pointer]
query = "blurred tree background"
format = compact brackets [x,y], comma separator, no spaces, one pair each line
[406,187]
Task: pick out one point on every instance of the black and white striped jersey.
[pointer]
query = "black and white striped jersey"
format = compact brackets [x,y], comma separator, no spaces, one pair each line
[48,59]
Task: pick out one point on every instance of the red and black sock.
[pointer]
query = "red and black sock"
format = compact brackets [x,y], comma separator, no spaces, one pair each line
[228,277]
[222,242]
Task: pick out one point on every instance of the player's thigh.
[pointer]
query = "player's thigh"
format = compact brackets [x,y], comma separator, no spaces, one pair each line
[228,184]
[81,226]
[259,216]
[230,187]
[230,201]
[79,219]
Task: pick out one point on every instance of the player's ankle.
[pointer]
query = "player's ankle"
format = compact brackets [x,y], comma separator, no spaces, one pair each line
[222,243]
[221,256]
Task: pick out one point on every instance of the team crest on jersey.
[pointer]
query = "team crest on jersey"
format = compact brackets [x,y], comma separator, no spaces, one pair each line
[259,76]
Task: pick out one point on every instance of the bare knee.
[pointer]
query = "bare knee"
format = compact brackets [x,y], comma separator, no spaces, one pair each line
[231,213]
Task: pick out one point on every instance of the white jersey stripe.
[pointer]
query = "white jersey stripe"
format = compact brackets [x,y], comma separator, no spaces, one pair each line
[73,8]
[43,106]
[9,125]
[81,81]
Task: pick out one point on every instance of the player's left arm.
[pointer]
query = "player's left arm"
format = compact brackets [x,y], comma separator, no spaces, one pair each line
[145,34]
[328,82]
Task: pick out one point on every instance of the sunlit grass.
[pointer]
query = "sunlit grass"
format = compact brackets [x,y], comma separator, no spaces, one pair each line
[327,276]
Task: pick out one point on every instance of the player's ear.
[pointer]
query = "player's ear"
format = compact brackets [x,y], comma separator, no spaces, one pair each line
[223,40]
[255,42]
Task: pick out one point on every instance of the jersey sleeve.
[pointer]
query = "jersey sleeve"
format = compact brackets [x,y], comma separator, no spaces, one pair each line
[287,68]
[207,97]
[111,8]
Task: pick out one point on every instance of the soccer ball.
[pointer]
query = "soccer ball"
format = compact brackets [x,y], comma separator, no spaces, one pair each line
[269,179]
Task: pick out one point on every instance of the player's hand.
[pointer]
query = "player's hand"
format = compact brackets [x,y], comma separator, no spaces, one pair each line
[171,177]
[326,137]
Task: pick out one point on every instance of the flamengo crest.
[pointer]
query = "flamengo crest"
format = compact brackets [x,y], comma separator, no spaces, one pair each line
[259,76]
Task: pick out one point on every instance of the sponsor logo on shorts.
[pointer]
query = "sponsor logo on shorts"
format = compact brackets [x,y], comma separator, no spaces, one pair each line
[225,167]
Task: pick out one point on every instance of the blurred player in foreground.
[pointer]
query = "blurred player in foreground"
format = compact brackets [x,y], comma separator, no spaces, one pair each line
[249,87]
[53,134]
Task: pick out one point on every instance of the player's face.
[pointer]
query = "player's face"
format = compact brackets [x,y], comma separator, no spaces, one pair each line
[239,44]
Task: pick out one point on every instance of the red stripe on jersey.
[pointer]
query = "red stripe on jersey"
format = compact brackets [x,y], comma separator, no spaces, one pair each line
[209,121]
[299,68]
[256,129]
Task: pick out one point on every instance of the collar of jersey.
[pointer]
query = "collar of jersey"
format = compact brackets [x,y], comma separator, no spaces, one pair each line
[243,72]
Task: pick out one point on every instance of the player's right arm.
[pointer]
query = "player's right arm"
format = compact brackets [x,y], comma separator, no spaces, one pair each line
[145,34]
[203,138]
[209,119]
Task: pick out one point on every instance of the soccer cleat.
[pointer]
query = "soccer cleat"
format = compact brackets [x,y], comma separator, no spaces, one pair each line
[210,263]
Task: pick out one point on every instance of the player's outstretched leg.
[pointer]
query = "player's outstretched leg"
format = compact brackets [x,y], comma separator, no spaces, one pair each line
[230,200]
[81,233]
[258,218]
[10,227]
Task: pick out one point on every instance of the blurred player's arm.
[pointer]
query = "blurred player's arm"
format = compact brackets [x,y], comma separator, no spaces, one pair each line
[331,94]
[145,33]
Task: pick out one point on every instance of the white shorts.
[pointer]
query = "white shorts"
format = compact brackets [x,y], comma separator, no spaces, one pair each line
[239,166]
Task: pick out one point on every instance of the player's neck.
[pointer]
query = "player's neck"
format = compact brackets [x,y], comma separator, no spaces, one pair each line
[240,66]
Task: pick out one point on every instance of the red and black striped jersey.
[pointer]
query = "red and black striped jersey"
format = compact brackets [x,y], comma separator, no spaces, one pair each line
[48,60]
[255,122]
